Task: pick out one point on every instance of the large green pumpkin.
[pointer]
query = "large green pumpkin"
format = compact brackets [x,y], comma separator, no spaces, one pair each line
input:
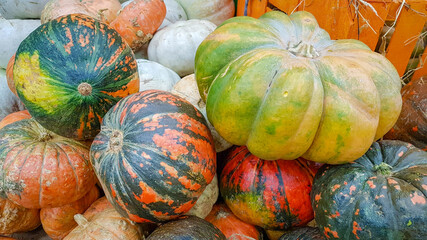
[70,71]
[279,85]
[382,195]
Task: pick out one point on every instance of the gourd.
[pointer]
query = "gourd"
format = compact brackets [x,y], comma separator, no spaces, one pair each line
[153,75]
[206,201]
[382,195]
[216,11]
[21,9]
[15,218]
[283,88]
[14,117]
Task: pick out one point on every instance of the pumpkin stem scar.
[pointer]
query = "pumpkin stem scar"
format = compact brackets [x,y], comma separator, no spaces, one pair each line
[116,141]
[383,168]
[84,89]
[44,137]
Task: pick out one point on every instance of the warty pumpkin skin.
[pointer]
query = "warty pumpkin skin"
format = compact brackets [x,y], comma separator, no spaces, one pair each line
[15,218]
[382,195]
[70,71]
[154,156]
[270,194]
[40,169]
[280,86]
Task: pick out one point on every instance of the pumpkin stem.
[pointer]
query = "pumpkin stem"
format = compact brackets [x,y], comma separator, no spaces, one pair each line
[81,221]
[84,89]
[116,141]
[304,50]
[44,137]
[383,168]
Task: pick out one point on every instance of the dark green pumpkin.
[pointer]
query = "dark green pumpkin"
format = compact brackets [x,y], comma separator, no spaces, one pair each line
[188,228]
[382,195]
[154,156]
[303,233]
[70,71]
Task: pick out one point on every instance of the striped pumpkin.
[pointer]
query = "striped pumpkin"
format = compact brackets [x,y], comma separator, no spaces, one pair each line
[283,88]
[269,194]
[39,169]
[154,156]
[70,71]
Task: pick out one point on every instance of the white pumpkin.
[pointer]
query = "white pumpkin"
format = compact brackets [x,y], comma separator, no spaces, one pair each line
[153,75]
[175,46]
[13,32]
[216,11]
[21,9]
[9,103]
[187,88]
[206,201]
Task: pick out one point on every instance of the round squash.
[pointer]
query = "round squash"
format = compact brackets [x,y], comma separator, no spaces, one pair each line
[216,11]
[105,10]
[175,45]
[411,126]
[15,218]
[59,221]
[303,233]
[154,156]
[40,169]
[280,86]
[382,195]
[70,71]
[9,103]
[14,117]
[270,194]
[187,228]
[231,226]
[187,88]
[153,75]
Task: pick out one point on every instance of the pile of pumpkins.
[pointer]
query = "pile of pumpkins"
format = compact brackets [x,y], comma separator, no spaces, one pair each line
[175,120]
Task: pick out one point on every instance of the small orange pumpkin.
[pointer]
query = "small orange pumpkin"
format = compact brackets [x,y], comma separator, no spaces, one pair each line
[14,218]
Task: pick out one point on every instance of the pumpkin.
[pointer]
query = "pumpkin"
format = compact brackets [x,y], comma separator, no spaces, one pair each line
[57,222]
[16,30]
[71,71]
[187,88]
[231,226]
[15,218]
[14,117]
[153,75]
[382,195]
[411,126]
[105,10]
[9,103]
[303,233]
[175,45]
[206,201]
[9,75]
[107,224]
[187,228]
[40,169]
[215,11]
[139,20]
[280,86]
[96,207]
[270,194]
[154,156]
[15,9]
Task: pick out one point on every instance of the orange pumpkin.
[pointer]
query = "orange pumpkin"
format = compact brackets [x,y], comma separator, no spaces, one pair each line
[14,218]
[14,117]
[105,10]
[231,226]
[9,75]
[139,20]
[98,206]
[59,221]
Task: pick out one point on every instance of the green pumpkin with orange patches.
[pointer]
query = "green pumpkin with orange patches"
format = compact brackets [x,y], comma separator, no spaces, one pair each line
[70,71]
[271,194]
[382,195]
[154,156]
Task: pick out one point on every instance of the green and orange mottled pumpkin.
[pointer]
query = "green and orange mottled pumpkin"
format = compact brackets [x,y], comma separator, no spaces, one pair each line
[382,195]
[283,88]
[70,71]
[154,156]
[270,194]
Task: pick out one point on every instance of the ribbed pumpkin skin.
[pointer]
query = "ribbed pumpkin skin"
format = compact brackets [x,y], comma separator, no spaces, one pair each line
[303,233]
[189,228]
[40,169]
[280,86]
[368,200]
[269,194]
[57,57]
[154,156]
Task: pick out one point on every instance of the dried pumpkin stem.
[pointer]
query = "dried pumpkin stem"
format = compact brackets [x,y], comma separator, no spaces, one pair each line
[383,168]
[304,50]
[81,221]
[116,141]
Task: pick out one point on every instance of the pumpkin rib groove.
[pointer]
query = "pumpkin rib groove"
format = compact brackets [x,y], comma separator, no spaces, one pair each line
[72,167]
[412,184]
[20,151]
[86,161]
[41,174]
